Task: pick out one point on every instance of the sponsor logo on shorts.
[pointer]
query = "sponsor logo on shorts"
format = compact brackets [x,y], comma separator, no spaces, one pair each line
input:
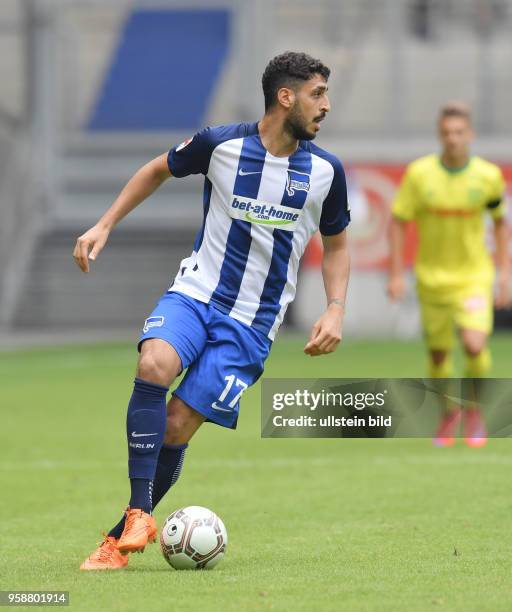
[263,213]
[153,322]
[215,407]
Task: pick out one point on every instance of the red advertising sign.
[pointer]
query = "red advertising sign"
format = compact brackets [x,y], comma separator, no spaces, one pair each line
[371,189]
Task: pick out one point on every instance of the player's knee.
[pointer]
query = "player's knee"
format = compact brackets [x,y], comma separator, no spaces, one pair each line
[473,347]
[153,369]
[474,342]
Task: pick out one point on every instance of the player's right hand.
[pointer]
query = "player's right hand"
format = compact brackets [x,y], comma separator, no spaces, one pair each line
[89,245]
[396,287]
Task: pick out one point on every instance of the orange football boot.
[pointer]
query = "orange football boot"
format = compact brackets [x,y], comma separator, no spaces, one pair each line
[447,430]
[139,529]
[105,557]
[475,434]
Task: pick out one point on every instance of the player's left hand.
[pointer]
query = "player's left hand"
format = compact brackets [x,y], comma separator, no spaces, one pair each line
[326,332]
[502,299]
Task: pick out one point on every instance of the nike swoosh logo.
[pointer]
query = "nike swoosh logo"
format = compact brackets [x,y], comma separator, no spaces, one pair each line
[136,435]
[215,407]
[243,172]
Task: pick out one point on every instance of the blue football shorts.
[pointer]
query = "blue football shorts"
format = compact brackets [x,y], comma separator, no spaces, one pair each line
[223,356]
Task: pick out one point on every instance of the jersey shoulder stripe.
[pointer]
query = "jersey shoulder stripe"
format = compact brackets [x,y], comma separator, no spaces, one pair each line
[335,214]
[193,155]
[319,152]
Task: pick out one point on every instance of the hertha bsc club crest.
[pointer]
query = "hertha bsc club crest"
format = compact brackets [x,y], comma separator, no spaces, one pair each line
[297,181]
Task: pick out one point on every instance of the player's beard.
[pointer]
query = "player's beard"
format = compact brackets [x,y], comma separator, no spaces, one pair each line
[296,123]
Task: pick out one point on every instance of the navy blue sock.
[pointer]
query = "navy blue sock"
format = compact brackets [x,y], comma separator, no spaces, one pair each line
[168,469]
[141,493]
[145,429]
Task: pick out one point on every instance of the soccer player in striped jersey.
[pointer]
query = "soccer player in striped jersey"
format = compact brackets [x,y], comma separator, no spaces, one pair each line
[449,196]
[267,190]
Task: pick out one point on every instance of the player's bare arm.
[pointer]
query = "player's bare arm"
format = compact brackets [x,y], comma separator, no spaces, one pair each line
[327,331]
[142,184]
[502,299]
[396,282]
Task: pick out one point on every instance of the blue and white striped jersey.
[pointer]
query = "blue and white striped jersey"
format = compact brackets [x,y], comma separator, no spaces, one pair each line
[259,213]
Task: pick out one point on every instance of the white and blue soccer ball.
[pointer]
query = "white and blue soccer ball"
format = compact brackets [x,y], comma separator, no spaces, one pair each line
[193,538]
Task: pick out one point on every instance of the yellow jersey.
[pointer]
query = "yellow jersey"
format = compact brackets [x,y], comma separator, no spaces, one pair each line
[449,208]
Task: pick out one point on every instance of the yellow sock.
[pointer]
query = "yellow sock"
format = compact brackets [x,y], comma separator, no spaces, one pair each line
[442,370]
[478,366]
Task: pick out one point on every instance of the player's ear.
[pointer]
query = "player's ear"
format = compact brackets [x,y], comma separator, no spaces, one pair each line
[286,97]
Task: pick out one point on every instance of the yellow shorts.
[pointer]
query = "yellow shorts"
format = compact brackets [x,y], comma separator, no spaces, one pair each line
[470,308]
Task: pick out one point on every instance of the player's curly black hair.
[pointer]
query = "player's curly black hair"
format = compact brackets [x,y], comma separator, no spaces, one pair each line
[289,68]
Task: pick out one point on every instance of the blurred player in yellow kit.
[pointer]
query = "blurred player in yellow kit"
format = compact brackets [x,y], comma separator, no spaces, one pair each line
[448,195]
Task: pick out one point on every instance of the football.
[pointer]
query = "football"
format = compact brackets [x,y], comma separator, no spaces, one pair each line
[193,538]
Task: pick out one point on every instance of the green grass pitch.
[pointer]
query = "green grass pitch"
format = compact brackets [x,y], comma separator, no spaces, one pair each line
[313,524]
